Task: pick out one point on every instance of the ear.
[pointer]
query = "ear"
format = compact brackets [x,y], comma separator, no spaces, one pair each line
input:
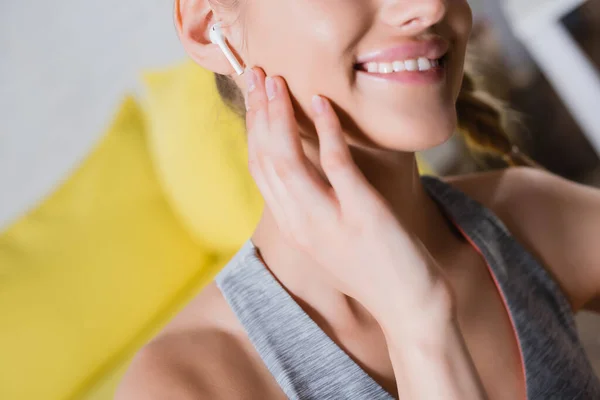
[193,19]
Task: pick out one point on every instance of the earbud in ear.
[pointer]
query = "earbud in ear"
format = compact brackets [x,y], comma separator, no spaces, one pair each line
[217,37]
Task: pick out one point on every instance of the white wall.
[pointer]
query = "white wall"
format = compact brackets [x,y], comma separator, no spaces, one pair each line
[64,66]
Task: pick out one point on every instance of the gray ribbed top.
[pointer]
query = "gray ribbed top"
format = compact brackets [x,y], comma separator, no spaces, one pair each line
[307,364]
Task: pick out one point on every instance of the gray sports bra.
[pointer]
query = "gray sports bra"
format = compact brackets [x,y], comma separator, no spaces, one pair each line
[307,364]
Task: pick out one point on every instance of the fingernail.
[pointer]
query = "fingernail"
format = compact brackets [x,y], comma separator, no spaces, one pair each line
[250,80]
[318,104]
[271,88]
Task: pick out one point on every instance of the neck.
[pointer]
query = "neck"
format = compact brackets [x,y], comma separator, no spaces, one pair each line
[395,176]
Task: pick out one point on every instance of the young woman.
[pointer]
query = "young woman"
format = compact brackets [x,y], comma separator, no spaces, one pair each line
[364,280]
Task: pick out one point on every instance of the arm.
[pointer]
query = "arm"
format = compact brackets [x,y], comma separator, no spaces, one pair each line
[560,221]
[429,355]
[152,377]
[191,365]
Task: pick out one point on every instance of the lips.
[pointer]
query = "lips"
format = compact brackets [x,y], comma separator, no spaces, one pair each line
[432,49]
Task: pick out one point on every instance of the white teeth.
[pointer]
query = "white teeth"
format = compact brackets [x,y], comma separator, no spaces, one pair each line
[424,64]
[398,66]
[372,67]
[385,68]
[411,65]
[420,64]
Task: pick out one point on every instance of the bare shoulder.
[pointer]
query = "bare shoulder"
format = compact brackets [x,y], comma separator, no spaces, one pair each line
[557,220]
[500,189]
[202,354]
[174,367]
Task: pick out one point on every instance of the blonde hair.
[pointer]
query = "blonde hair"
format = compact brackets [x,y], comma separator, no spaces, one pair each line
[482,122]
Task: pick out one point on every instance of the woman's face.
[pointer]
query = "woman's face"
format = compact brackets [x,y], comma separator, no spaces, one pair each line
[316,45]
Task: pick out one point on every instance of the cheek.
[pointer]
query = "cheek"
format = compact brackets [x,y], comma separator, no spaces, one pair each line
[304,39]
[311,57]
[296,32]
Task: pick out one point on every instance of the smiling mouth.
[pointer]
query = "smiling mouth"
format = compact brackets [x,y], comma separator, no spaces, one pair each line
[420,64]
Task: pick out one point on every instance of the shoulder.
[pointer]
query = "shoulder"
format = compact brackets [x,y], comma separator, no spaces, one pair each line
[201,354]
[518,184]
[165,369]
[557,220]
[500,190]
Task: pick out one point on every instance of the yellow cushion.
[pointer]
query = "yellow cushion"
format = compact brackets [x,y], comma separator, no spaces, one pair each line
[103,388]
[89,275]
[199,147]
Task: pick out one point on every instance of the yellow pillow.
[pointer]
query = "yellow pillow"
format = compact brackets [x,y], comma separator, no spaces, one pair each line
[91,273]
[199,147]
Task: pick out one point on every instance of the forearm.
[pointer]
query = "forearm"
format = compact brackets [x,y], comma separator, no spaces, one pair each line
[436,365]
[429,354]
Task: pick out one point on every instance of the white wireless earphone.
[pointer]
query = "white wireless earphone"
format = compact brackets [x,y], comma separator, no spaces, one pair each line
[217,37]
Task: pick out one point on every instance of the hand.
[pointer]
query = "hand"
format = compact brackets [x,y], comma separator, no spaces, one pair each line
[345,225]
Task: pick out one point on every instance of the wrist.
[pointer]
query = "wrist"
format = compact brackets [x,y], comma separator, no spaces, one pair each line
[430,332]
[412,315]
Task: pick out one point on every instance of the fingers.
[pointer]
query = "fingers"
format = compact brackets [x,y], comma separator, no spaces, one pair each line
[286,153]
[276,157]
[256,127]
[350,185]
[294,192]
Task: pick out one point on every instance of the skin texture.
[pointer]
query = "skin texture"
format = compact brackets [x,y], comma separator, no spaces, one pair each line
[204,352]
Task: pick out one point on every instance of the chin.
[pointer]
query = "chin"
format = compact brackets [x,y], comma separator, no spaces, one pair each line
[418,134]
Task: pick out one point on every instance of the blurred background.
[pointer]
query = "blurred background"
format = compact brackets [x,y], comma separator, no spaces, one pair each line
[101,241]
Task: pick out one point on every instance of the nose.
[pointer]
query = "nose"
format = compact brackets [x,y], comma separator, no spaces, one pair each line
[413,16]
